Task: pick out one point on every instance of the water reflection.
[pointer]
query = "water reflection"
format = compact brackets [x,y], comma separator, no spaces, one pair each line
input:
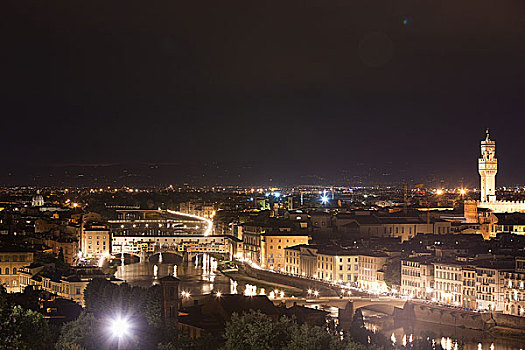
[448,337]
[196,277]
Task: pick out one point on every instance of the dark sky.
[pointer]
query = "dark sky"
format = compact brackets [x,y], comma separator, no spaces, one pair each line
[286,87]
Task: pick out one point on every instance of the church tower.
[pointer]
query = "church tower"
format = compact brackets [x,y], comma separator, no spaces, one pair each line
[488,167]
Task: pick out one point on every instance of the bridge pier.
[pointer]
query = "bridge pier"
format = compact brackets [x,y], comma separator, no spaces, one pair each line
[144,257]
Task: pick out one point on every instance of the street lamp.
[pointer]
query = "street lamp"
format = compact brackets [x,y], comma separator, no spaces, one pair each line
[120,327]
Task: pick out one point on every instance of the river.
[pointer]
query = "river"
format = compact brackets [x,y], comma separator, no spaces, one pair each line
[449,337]
[199,277]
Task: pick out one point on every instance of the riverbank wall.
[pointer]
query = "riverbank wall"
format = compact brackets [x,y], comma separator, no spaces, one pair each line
[297,282]
[414,311]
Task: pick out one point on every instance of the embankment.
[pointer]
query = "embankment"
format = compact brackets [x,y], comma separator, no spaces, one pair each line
[414,311]
[297,282]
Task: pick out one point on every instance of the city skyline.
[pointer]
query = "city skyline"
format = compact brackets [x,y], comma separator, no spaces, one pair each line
[243,174]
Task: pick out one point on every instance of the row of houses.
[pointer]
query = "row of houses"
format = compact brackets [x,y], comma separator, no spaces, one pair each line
[338,265]
[70,285]
[485,284]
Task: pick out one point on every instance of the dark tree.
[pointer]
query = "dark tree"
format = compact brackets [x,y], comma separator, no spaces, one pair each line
[22,329]
[84,332]
[60,256]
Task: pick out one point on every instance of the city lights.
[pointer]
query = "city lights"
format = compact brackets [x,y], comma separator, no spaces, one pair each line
[208,230]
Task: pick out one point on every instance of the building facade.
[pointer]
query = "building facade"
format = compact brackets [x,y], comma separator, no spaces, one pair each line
[448,284]
[417,278]
[11,261]
[273,246]
[371,273]
[95,240]
[338,266]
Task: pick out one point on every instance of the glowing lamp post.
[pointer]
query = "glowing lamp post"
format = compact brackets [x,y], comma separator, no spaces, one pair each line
[120,328]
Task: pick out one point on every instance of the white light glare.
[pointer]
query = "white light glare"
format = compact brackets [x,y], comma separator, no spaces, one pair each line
[120,327]
[207,221]
[324,199]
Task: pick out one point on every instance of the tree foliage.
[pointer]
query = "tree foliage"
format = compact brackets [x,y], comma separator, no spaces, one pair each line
[393,273]
[84,332]
[257,331]
[22,329]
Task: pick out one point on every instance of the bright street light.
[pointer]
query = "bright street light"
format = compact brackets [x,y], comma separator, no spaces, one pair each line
[120,327]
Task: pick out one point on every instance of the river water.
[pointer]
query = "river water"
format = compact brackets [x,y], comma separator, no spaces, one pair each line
[201,277]
[449,337]
[196,277]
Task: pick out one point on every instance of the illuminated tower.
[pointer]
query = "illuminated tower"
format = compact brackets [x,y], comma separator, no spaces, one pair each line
[488,167]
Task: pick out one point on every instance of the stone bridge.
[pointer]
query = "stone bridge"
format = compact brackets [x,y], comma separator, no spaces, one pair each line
[162,252]
[384,305]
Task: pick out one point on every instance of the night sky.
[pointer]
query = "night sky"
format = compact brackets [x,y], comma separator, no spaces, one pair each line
[294,91]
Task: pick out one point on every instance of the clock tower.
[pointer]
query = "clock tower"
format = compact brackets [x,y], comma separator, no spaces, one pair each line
[488,167]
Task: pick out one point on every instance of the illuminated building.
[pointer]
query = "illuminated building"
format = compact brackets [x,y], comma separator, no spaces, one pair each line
[70,286]
[273,245]
[12,259]
[292,262]
[490,281]
[95,240]
[417,278]
[488,167]
[252,238]
[137,244]
[337,265]
[68,246]
[38,200]
[372,271]
[368,224]
[469,287]
[514,288]
[448,283]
